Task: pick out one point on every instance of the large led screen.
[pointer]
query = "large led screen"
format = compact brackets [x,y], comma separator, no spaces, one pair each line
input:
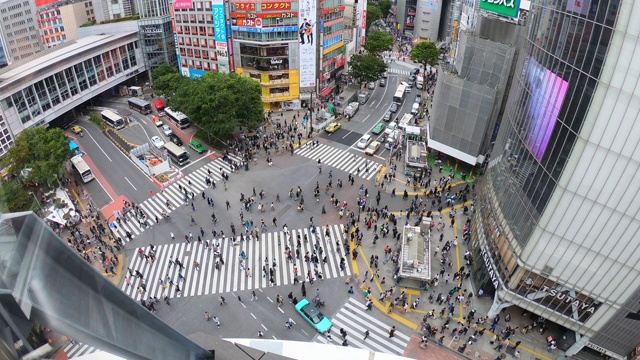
[546,95]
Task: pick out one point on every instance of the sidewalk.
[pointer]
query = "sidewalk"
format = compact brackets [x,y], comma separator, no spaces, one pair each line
[533,345]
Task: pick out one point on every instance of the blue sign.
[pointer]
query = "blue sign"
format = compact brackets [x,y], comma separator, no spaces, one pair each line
[219,23]
[264,30]
[195,73]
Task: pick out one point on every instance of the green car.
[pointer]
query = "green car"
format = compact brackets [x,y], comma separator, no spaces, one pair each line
[313,316]
[195,145]
[379,128]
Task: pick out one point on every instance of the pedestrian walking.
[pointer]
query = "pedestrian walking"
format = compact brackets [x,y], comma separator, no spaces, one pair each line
[254,296]
[392,331]
[216,320]
[221,299]
[366,334]
[207,315]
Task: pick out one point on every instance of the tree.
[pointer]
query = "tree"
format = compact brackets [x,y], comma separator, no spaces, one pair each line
[15,197]
[168,85]
[162,70]
[425,53]
[221,103]
[366,68]
[377,42]
[385,7]
[373,14]
[43,151]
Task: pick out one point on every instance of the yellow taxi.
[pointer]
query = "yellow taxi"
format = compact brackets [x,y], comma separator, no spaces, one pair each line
[372,148]
[333,127]
[76,129]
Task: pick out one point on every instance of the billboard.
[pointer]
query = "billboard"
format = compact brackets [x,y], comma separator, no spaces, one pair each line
[182,4]
[579,7]
[306,33]
[507,8]
[547,92]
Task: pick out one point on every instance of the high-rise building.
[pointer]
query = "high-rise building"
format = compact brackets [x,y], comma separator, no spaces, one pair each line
[202,46]
[19,30]
[556,227]
[59,22]
[332,47]
[156,33]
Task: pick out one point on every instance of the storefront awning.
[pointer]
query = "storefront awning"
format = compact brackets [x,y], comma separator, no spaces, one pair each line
[325,92]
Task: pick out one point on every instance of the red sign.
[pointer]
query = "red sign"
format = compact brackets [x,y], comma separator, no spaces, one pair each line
[286,15]
[246,6]
[335,9]
[280,5]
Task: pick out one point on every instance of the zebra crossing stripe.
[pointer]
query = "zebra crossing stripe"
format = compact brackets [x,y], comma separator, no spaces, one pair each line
[231,277]
[155,205]
[78,349]
[340,159]
[354,319]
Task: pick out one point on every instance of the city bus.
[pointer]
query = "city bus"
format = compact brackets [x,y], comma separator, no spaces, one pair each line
[177,154]
[142,106]
[159,106]
[398,98]
[178,118]
[82,168]
[112,119]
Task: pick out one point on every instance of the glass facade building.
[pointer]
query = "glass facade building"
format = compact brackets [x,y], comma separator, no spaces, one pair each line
[557,221]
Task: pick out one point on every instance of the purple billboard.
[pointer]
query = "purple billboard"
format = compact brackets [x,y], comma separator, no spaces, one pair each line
[546,95]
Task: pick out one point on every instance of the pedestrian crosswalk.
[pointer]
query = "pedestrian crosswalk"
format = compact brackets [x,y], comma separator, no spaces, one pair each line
[76,349]
[399,71]
[155,205]
[354,318]
[341,159]
[233,276]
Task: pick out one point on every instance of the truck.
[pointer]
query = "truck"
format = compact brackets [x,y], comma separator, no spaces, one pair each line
[351,110]
[363,97]
[407,120]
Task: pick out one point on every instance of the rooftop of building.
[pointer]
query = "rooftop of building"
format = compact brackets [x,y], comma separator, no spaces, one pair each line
[49,58]
[416,262]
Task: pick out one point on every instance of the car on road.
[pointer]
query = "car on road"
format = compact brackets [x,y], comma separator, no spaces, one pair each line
[394,108]
[418,98]
[157,142]
[333,127]
[383,83]
[412,78]
[372,148]
[385,75]
[175,139]
[415,71]
[166,130]
[76,129]
[157,122]
[313,316]
[410,83]
[199,148]
[378,129]
[391,127]
[372,85]
[364,141]
[387,116]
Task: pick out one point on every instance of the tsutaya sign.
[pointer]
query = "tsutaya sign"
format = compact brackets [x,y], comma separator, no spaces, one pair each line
[502,7]
[490,269]
[565,297]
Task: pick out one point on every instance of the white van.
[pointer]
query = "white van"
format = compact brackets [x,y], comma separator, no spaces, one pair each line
[415,109]
[391,127]
[364,141]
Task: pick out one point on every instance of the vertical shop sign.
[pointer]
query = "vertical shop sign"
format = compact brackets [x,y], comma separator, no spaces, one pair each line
[307,41]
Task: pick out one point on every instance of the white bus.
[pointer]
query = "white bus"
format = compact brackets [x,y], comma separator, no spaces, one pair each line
[179,155]
[82,168]
[178,118]
[398,98]
[112,119]
[144,107]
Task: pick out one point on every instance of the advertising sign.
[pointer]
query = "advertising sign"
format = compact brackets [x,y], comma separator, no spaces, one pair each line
[245,6]
[507,8]
[281,15]
[264,30]
[307,34]
[281,5]
[579,7]
[219,21]
[182,4]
